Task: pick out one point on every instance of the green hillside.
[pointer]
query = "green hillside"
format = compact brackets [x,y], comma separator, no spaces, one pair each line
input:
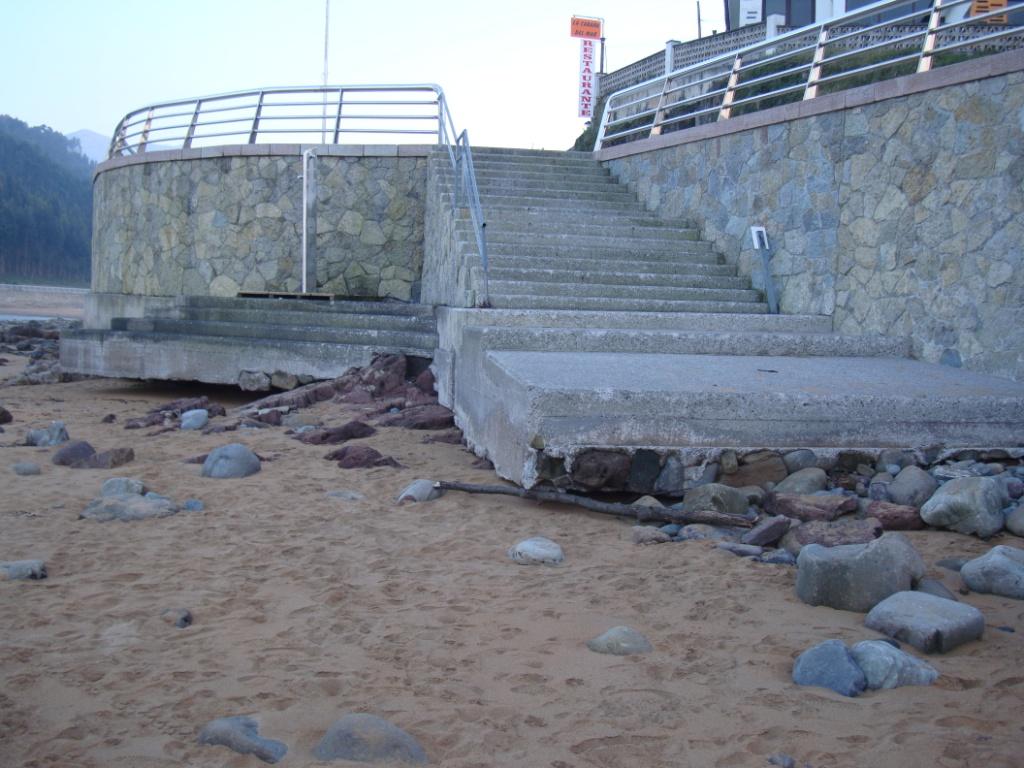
[45,206]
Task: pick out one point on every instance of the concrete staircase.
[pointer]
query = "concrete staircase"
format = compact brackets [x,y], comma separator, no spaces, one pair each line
[216,339]
[613,330]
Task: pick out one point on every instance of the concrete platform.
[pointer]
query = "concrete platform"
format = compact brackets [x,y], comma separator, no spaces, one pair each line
[523,406]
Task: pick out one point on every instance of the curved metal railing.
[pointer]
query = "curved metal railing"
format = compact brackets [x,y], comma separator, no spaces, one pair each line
[892,35]
[310,115]
[286,114]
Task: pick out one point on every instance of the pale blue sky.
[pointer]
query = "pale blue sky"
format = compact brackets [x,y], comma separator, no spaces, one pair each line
[509,70]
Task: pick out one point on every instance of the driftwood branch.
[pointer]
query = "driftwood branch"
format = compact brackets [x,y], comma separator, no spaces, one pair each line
[642,514]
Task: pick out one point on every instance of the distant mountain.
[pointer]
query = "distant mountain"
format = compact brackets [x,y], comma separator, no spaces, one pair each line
[45,205]
[94,145]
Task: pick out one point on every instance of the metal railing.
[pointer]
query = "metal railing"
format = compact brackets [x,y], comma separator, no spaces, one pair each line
[300,114]
[800,64]
[466,191]
[310,115]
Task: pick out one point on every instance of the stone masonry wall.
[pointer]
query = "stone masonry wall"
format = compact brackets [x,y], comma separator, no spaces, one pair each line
[902,215]
[214,225]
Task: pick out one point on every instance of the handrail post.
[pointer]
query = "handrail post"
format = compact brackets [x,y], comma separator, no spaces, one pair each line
[730,89]
[256,119]
[145,131]
[309,192]
[192,125]
[815,72]
[930,39]
[337,119]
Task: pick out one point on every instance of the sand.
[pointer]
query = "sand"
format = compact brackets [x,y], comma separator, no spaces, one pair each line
[308,607]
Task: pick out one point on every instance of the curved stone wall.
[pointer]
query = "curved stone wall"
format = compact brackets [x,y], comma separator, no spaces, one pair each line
[216,221]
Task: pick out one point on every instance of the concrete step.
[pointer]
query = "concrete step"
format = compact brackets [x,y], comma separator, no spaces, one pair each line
[535,158]
[354,306]
[603,277]
[556,217]
[685,241]
[514,153]
[608,304]
[210,359]
[622,291]
[450,318]
[497,182]
[424,342]
[487,169]
[668,267]
[682,342]
[556,202]
[415,323]
[529,410]
[591,227]
[691,252]
[618,195]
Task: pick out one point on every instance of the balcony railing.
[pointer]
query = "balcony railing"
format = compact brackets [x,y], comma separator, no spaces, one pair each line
[886,39]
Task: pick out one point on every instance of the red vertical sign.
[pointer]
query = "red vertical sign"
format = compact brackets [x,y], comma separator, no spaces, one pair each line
[587,58]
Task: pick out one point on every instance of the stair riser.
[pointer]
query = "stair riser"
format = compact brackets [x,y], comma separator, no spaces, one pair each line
[354,336]
[671,268]
[621,305]
[322,319]
[562,277]
[303,305]
[591,290]
[688,254]
[498,231]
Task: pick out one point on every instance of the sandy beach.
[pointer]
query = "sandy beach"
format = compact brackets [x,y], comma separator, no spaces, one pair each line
[307,606]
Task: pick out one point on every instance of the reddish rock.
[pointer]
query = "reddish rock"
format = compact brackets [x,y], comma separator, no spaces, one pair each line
[321,392]
[769,469]
[831,534]
[149,420]
[895,517]
[596,469]
[808,508]
[482,463]
[359,457]
[767,532]
[72,454]
[272,417]
[357,396]
[385,375]
[200,459]
[425,382]
[110,418]
[415,396]
[335,435]
[5,416]
[420,417]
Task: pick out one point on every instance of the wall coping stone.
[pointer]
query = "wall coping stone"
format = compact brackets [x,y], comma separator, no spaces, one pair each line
[266,150]
[952,74]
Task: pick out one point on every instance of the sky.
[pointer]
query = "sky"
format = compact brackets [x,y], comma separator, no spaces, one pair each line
[508,70]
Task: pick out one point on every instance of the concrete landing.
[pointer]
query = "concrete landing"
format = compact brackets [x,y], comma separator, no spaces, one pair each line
[529,408]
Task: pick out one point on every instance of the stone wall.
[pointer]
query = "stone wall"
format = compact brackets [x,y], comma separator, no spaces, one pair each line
[896,208]
[216,221]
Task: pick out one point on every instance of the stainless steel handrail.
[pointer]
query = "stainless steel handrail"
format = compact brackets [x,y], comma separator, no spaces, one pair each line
[644,110]
[461,157]
[275,112]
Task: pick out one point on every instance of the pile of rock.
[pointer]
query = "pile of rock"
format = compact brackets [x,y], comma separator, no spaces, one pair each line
[127,499]
[847,497]
[869,665]
[40,340]
[186,413]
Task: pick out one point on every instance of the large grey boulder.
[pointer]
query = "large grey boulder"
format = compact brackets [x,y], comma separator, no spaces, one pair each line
[26,468]
[232,460]
[912,487]
[128,508]
[856,577]
[716,497]
[365,738]
[122,486]
[767,532]
[886,666]
[620,641]
[803,481]
[1000,571]
[241,733]
[419,491]
[830,665]
[1014,520]
[930,624]
[967,505]
[197,418]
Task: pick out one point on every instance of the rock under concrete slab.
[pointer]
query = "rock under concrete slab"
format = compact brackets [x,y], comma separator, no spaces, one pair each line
[930,624]
[717,497]
[803,481]
[967,505]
